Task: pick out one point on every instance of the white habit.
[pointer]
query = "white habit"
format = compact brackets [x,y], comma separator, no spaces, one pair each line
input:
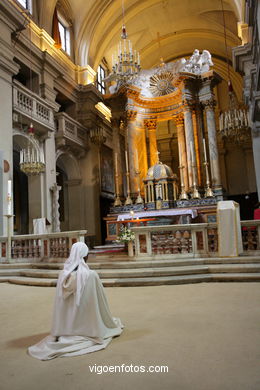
[82,321]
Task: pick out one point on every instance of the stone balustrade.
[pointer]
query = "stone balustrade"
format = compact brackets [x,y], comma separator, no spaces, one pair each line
[32,106]
[70,130]
[34,247]
[190,240]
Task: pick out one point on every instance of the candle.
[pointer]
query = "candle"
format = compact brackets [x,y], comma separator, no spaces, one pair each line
[126,161]
[9,197]
[138,59]
[204,148]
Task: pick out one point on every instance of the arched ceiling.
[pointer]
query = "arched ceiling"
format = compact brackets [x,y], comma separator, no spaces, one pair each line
[183,25]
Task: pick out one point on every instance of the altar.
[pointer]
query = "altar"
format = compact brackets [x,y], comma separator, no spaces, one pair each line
[181,92]
[175,216]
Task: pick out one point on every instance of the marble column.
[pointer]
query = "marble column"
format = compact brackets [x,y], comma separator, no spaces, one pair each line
[189,136]
[213,147]
[151,125]
[55,189]
[179,121]
[132,156]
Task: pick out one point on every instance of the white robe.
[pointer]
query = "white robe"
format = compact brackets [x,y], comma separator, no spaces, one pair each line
[79,329]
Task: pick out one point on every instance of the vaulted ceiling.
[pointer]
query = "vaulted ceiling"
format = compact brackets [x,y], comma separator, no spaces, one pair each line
[183,25]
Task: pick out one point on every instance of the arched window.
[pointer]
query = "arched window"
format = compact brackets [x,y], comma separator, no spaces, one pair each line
[101,74]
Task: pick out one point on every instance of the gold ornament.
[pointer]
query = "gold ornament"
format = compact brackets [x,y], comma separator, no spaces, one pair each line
[161,84]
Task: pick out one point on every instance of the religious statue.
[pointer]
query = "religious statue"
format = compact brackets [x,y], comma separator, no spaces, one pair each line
[198,63]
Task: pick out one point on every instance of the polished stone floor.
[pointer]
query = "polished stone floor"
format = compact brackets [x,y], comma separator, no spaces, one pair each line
[207,334]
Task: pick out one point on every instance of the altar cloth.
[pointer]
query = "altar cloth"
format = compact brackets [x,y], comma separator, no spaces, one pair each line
[158,213]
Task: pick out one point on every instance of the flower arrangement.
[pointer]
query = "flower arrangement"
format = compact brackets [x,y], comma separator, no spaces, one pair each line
[125,235]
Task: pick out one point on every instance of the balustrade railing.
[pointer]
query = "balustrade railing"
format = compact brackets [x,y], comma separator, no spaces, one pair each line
[33,247]
[32,106]
[190,240]
[70,129]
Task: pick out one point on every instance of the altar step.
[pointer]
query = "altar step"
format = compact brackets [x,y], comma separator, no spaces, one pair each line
[143,273]
[152,281]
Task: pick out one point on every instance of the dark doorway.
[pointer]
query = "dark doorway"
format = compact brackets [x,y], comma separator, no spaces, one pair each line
[21,203]
[247,204]
[105,205]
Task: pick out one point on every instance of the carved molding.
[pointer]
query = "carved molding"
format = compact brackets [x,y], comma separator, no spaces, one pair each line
[131,115]
[150,124]
[179,120]
[209,104]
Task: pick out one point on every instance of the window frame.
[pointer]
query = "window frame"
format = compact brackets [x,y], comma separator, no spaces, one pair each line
[67,35]
[28,4]
[100,84]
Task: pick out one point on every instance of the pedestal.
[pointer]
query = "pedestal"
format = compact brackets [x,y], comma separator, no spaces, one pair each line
[130,249]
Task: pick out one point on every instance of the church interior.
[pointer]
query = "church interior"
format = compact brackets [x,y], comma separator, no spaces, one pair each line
[134,126]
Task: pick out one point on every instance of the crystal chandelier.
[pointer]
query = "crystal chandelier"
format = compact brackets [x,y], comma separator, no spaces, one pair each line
[233,122]
[97,136]
[125,62]
[31,159]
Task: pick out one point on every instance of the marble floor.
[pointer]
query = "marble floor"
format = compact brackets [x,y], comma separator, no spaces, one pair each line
[207,334]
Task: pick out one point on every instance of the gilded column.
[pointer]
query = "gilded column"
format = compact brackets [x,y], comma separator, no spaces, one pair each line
[213,146]
[132,155]
[151,125]
[189,136]
[179,121]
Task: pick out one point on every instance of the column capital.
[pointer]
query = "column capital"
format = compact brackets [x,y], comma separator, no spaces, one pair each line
[209,104]
[150,124]
[131,115]
[179,120]
[187,105]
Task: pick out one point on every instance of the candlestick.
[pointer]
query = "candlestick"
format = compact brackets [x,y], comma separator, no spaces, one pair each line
[126,161]
[191,153]
[204,148]
[208,191]
[183,194]
[9,197]
[139,199]
[117,199]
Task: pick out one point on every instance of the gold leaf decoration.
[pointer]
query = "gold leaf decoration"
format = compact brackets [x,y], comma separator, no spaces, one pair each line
[161,84]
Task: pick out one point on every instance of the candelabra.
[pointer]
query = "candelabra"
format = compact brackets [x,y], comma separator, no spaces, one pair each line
[195,193]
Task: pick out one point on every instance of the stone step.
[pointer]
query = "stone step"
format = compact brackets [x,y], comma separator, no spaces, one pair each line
[151,281]
[12,272]
[154,272]
[4,266]
[156,263]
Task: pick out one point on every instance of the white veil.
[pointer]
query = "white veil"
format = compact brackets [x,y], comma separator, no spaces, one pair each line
[76,259]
